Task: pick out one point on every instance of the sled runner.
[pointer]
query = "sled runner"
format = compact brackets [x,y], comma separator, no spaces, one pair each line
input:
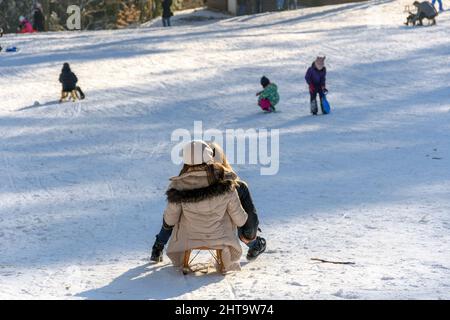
[68,94]
[188,261]
[76,94]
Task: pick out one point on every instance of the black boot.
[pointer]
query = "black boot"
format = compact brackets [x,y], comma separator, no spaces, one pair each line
[157,251]
[258,248]
[314,108]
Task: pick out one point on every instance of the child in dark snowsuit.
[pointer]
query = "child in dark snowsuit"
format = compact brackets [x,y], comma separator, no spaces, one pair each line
[424,10]
[269,97]
[316,78]
[167,13]
[38,18]
[69,81]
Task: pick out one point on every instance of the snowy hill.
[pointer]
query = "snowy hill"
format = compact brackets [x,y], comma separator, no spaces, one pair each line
[83,184]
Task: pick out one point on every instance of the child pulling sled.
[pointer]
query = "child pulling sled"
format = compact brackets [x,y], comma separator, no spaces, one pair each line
[315,78]
[268,97]
[424,10]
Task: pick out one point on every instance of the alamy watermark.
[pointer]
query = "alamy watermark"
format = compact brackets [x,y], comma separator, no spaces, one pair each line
[73,22]
[250,146]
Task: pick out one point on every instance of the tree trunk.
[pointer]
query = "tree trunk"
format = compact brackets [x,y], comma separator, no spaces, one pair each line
[46,12]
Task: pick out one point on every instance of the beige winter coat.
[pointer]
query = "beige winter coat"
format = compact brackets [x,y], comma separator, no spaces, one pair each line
[204,214]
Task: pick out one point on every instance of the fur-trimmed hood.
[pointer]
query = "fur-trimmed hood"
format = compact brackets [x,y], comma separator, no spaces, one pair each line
[195,186]
[196,195]
[204,208]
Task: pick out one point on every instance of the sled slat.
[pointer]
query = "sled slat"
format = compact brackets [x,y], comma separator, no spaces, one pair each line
[187,261]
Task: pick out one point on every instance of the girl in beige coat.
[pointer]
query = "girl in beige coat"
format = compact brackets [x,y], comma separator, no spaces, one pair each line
[204,208]
[248,233]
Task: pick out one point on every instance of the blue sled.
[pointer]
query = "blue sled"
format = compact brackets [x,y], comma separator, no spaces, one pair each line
[325,105]
[11,49]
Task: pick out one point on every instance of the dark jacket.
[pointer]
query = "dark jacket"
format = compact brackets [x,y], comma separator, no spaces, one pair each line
[425,9]
[68,79]
[39,21]
[166,4]
[250,228]
[316,77]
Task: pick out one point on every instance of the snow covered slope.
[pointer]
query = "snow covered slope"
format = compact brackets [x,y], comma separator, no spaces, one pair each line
[82,185]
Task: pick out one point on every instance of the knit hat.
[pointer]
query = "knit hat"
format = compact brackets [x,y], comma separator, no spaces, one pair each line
[265,81]
[320,62]
[197,152]
[21,19]
[66,67]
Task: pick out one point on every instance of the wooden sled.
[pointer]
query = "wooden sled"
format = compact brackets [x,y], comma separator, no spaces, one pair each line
[69,94]
[217,257]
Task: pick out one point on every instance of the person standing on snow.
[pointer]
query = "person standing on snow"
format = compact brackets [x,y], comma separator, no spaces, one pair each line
[441,7]
[269,97]
[280,5]
[292,5]
[167,13]
[38,18]
[316,79]
[257,6]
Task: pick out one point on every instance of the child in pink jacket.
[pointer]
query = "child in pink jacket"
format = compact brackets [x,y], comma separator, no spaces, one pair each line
[25,25]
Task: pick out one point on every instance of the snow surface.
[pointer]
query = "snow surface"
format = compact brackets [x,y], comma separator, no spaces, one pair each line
[82,185]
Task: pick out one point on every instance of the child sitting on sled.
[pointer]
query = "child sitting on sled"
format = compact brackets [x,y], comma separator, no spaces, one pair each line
[69,81]
[315,78]
[203,209]
[269,97]
[25,25]
[248,233]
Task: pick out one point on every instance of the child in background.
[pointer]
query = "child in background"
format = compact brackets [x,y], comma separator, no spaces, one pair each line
[269,97]
[315,78]
[441,7]
[25,25]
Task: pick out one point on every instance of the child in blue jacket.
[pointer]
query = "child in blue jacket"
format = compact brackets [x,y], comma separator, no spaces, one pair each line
[316,79]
